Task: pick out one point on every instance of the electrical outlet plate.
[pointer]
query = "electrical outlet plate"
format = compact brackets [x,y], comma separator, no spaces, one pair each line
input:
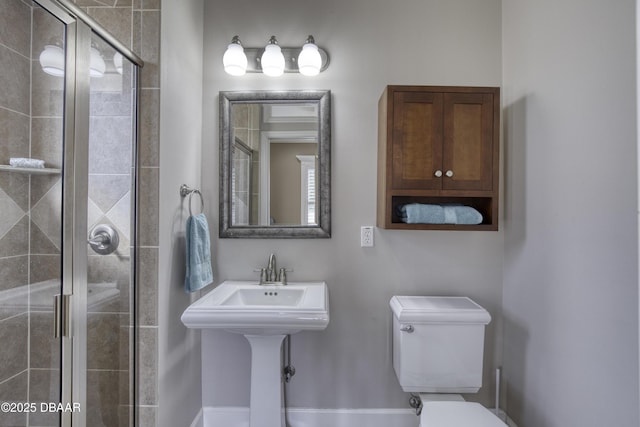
[366,236]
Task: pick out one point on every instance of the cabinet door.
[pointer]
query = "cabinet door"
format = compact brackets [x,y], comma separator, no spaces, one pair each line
[468,141]
[416,147]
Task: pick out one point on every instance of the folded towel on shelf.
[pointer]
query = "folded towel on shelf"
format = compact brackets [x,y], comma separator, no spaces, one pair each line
[198,249]
[23,162]
[419,213]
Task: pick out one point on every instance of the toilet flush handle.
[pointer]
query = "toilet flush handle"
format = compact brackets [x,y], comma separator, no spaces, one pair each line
[407,328]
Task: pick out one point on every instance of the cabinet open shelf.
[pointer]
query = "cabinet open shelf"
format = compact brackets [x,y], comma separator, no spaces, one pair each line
[484,205]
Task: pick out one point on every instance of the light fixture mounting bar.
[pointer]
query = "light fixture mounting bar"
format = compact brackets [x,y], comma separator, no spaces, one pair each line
[290,59]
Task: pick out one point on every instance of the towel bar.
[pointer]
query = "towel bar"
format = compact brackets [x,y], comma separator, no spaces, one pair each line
[185,191]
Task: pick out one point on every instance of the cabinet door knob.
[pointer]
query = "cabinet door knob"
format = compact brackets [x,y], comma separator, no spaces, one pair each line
[449,173]
[438,173]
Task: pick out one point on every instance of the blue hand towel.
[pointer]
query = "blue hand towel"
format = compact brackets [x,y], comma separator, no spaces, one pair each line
[199,271]
[418,213]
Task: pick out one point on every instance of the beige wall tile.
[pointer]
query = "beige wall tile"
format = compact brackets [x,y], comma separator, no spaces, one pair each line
[146,43]
[14,390]
[149,127]
[14,134]
[103,341]
[15,26]
[147,366]
[44,267]
[13,271]
[115,20]
[14,92]
[103,397]
[148,287]
[148,218]
[15,241]
[44,386]
[14,339]
[46,140]
[44,348]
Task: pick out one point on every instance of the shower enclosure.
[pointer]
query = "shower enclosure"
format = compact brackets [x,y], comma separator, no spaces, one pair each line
[68,96]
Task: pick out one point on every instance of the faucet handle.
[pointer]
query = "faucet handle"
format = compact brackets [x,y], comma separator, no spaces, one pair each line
[282,275]
[263,274]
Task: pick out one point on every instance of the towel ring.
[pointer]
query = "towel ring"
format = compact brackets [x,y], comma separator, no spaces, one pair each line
[201,201]
[186,190]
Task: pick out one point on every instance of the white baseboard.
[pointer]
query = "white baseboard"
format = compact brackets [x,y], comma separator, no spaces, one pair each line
[308,417]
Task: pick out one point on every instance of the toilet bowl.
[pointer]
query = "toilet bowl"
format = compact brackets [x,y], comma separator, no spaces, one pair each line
[438,347]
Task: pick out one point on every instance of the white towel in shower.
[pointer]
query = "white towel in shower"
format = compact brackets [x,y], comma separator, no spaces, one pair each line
[23,162]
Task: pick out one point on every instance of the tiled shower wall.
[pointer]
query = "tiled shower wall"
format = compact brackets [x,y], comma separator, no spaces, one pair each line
[24,222]
[136,23]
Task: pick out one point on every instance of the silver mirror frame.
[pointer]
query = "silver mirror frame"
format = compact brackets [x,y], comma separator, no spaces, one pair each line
[323,229]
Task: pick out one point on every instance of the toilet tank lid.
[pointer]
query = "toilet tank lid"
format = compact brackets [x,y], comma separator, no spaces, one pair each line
[457,414]
[427,309]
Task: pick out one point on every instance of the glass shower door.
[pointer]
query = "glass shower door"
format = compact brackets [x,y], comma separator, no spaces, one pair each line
[111,232]
[31,126]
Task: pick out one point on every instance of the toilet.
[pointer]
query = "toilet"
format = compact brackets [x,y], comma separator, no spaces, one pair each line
[438,345]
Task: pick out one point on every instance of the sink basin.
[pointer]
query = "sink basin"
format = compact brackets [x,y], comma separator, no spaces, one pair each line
[255,297]
[249,308]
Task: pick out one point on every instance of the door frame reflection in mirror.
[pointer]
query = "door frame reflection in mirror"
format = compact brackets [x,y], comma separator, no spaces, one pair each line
[322,98]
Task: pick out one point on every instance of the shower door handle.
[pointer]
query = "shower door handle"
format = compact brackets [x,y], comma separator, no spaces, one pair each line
[61,316]
[57,307]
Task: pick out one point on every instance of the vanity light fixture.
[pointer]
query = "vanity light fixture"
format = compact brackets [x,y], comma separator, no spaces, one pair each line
[234,59]
[309,60]
[274,60]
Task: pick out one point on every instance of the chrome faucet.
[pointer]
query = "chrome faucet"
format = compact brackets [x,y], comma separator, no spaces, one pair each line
[271,275]
[271,268]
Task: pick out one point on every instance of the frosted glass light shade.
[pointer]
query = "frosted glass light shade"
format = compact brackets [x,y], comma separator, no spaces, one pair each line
[272,61]
[234,60]
[97,65]
[309,60]
[52,60]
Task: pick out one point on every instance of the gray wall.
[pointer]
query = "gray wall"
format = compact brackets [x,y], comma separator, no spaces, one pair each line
[179,379]
[372,43]
[571,259]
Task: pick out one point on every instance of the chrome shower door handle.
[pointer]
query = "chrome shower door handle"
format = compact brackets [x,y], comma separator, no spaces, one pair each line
[103,239]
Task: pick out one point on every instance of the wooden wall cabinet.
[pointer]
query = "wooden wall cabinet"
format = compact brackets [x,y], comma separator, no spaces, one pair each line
[438,145]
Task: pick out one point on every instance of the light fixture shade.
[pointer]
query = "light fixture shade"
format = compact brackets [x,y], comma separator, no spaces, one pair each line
[52,60]
[97,66]
[234,59]
[117,62]
[309,60]
[272,60]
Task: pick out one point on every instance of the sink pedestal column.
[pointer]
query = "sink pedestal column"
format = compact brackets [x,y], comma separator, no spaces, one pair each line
[266,409]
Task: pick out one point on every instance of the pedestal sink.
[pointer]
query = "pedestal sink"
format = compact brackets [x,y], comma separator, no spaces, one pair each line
[264,314]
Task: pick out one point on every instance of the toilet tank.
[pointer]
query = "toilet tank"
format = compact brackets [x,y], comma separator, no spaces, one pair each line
[438,343]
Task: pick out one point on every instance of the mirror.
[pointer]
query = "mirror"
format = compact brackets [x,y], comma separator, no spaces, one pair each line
[275,174]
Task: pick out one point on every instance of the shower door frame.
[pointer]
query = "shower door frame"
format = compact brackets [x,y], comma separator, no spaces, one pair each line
[72,323]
